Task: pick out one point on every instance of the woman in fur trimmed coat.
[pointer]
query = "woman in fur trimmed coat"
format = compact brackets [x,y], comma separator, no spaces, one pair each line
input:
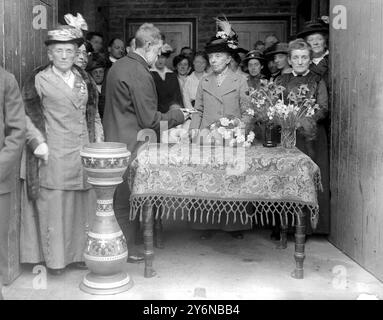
[57,202]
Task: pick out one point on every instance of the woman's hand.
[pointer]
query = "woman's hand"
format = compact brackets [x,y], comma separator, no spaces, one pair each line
[42,152]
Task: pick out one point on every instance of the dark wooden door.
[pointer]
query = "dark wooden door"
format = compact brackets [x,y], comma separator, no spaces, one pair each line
[249,32]
[24,26]
[22,39]
[357,128]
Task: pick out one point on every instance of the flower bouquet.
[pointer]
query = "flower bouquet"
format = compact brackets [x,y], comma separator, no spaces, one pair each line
[297,111]
[262,99]
[229,131]
[259,102]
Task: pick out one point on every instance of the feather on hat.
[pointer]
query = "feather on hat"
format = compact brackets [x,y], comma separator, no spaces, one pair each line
[71,33]
[225,40]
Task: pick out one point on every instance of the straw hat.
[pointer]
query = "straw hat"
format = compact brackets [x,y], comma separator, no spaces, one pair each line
[71,33]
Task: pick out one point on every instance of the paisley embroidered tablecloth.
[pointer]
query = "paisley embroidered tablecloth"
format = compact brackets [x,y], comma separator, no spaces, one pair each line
[256,182]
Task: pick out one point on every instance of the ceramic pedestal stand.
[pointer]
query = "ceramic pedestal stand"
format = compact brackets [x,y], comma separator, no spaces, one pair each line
[106,249]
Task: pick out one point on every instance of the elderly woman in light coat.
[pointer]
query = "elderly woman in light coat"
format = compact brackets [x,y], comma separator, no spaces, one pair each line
[220,94]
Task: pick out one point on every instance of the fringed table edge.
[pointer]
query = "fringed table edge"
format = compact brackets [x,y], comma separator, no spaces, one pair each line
[164,205]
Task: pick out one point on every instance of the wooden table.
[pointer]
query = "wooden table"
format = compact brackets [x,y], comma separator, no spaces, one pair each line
[280,184]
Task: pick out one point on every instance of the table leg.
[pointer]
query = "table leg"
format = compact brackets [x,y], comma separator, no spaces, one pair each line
[283,241]
[158,242]
[148,240]
[300,240]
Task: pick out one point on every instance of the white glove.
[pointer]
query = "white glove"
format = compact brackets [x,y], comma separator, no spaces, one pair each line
[193,133]
[42,152]
[187,114]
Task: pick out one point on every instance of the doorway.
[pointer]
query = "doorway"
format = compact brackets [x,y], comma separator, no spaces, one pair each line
[252,29]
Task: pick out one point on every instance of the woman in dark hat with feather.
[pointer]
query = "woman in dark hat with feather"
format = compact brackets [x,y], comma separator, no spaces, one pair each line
[219,95]
[57,202]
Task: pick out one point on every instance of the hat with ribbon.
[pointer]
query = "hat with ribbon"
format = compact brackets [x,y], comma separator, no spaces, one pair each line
[71,33]
[254,54]
[318,26]
[225,40]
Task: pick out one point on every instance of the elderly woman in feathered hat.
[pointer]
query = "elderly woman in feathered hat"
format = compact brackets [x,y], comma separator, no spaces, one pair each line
[61,105]
[219,94]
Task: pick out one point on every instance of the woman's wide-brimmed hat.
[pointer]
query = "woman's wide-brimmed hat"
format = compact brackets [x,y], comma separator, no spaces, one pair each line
[71,33]
[97,63]
[311,27]
[254,54]
[225,40]
[280,47]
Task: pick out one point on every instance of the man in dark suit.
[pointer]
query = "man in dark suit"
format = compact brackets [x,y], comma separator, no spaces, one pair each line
[12,137]
[131,106]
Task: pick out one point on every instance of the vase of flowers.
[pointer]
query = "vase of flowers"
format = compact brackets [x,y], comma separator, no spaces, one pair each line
[297,110]
[268,135]
[288,137]
[260,100]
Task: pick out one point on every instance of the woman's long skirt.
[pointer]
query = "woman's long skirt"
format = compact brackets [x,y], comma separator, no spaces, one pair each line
[322,159]
[54,228]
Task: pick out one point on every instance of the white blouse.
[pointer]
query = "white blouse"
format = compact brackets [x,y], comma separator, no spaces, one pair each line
[190,89]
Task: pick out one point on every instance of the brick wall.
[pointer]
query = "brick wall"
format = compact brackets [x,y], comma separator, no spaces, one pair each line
[92,10]
[203,10]
[108,16]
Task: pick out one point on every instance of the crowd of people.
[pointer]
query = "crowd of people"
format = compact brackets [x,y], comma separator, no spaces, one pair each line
[88,94]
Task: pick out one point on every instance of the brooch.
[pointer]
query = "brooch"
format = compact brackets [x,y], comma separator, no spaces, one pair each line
[81,87]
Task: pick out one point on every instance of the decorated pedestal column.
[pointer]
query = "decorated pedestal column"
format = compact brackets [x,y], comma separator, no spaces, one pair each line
[106,249]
